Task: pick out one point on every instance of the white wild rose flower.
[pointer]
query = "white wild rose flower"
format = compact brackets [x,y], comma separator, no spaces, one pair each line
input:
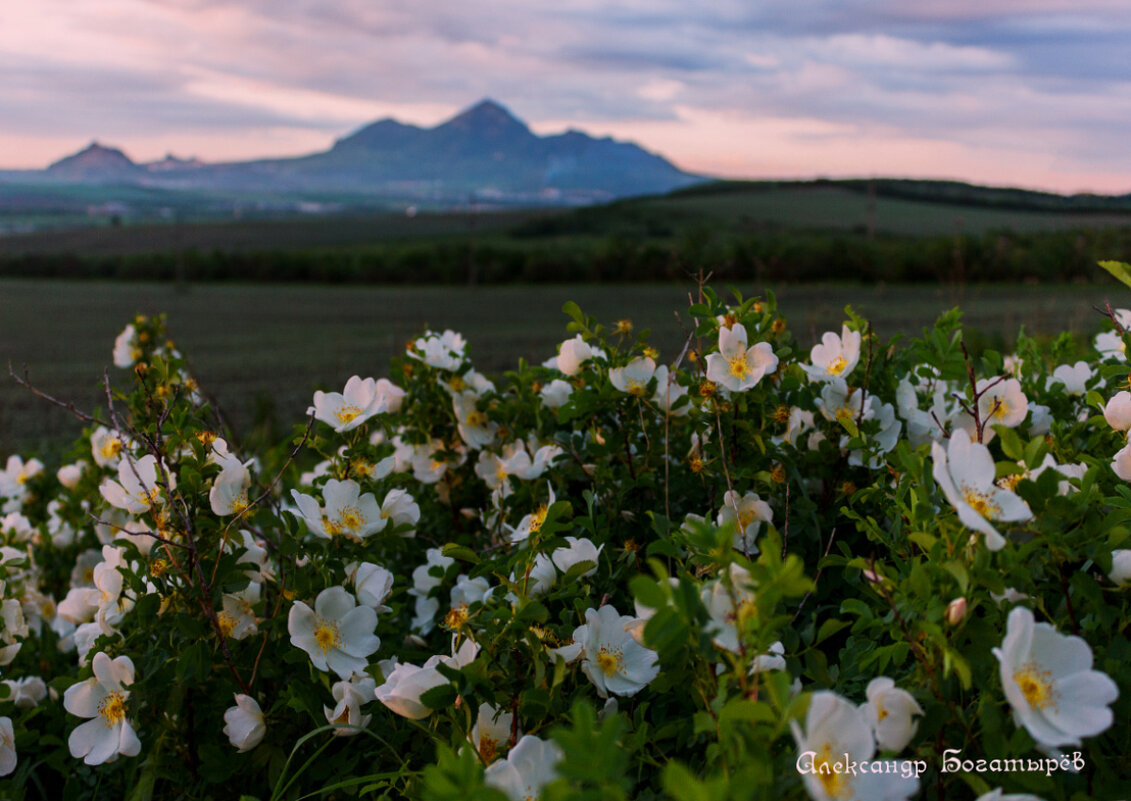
[748,513]
[834,356]
[836,731]
[336,633]
[634,377]
[890,712]
[243,723]
[530,766]
[346,513]
[1048,680]
[349,697]
[1117,411]
[1073,378]
[350,408]
[612,659]
[1001,403]
[102,698]
[964,471]
[136,490]
[737,367]
[8,758]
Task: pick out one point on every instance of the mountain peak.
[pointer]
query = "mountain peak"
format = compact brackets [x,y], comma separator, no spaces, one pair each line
[487,118]
[95,161]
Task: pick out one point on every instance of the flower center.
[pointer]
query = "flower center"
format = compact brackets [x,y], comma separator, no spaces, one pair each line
[351,518]
[226,623]
[331,527]
[837,365]
[1036,685]
[488,748]
[537,518]
[112,708]
[149,497]
[347,413]
[111,448]
[980,502]
[610,661]
[739,367]
[477,419]
[240,503]
[326,635]
[835,784]
[456,617]
[635,387]
[1000,408]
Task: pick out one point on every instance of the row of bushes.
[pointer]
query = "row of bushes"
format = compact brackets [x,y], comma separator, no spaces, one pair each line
[770,256]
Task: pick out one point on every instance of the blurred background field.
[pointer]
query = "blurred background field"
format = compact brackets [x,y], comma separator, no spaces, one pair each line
[262,349]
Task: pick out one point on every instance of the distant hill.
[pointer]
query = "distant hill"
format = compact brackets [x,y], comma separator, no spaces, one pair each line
[96,164]
[483,155]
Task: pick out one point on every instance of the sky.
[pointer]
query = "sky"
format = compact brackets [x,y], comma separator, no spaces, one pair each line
[1033,93]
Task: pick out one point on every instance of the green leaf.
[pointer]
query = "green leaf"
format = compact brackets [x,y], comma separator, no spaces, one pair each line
[578,570]
[1120,270]
[460,552]
[1010,442]
[439,697]
[829,628]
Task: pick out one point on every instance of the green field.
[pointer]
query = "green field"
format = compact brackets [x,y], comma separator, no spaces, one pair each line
[272,345]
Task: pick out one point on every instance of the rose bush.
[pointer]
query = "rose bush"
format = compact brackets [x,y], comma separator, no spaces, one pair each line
[718,574]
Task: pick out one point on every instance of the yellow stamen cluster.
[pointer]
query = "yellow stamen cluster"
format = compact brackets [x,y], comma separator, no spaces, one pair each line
[347,413]
[695,464]
[456,617]
[1036,685]
[781,414]
[777,474]
[623,326]
[778,325]
[610,660]
[488,748]
[837,365]
[326,635]
[226,623]
[636,387]
[351,518]
[1010,482]
[738,366]
[206,438]
[112,708]
[706,389]
[537,518]
[834,783]
[981,503]
[651,352]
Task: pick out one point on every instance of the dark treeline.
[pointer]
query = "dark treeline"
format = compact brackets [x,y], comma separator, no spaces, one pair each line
[787,255]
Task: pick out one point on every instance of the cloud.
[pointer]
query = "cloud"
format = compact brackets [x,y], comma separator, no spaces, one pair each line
[751,88]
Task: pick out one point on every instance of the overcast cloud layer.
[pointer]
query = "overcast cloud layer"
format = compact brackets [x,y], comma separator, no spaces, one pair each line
[1024,92]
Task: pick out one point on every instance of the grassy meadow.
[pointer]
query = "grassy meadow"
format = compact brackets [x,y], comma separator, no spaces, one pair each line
[261,350]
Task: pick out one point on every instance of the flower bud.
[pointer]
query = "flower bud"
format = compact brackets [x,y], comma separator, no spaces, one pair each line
[956,611]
